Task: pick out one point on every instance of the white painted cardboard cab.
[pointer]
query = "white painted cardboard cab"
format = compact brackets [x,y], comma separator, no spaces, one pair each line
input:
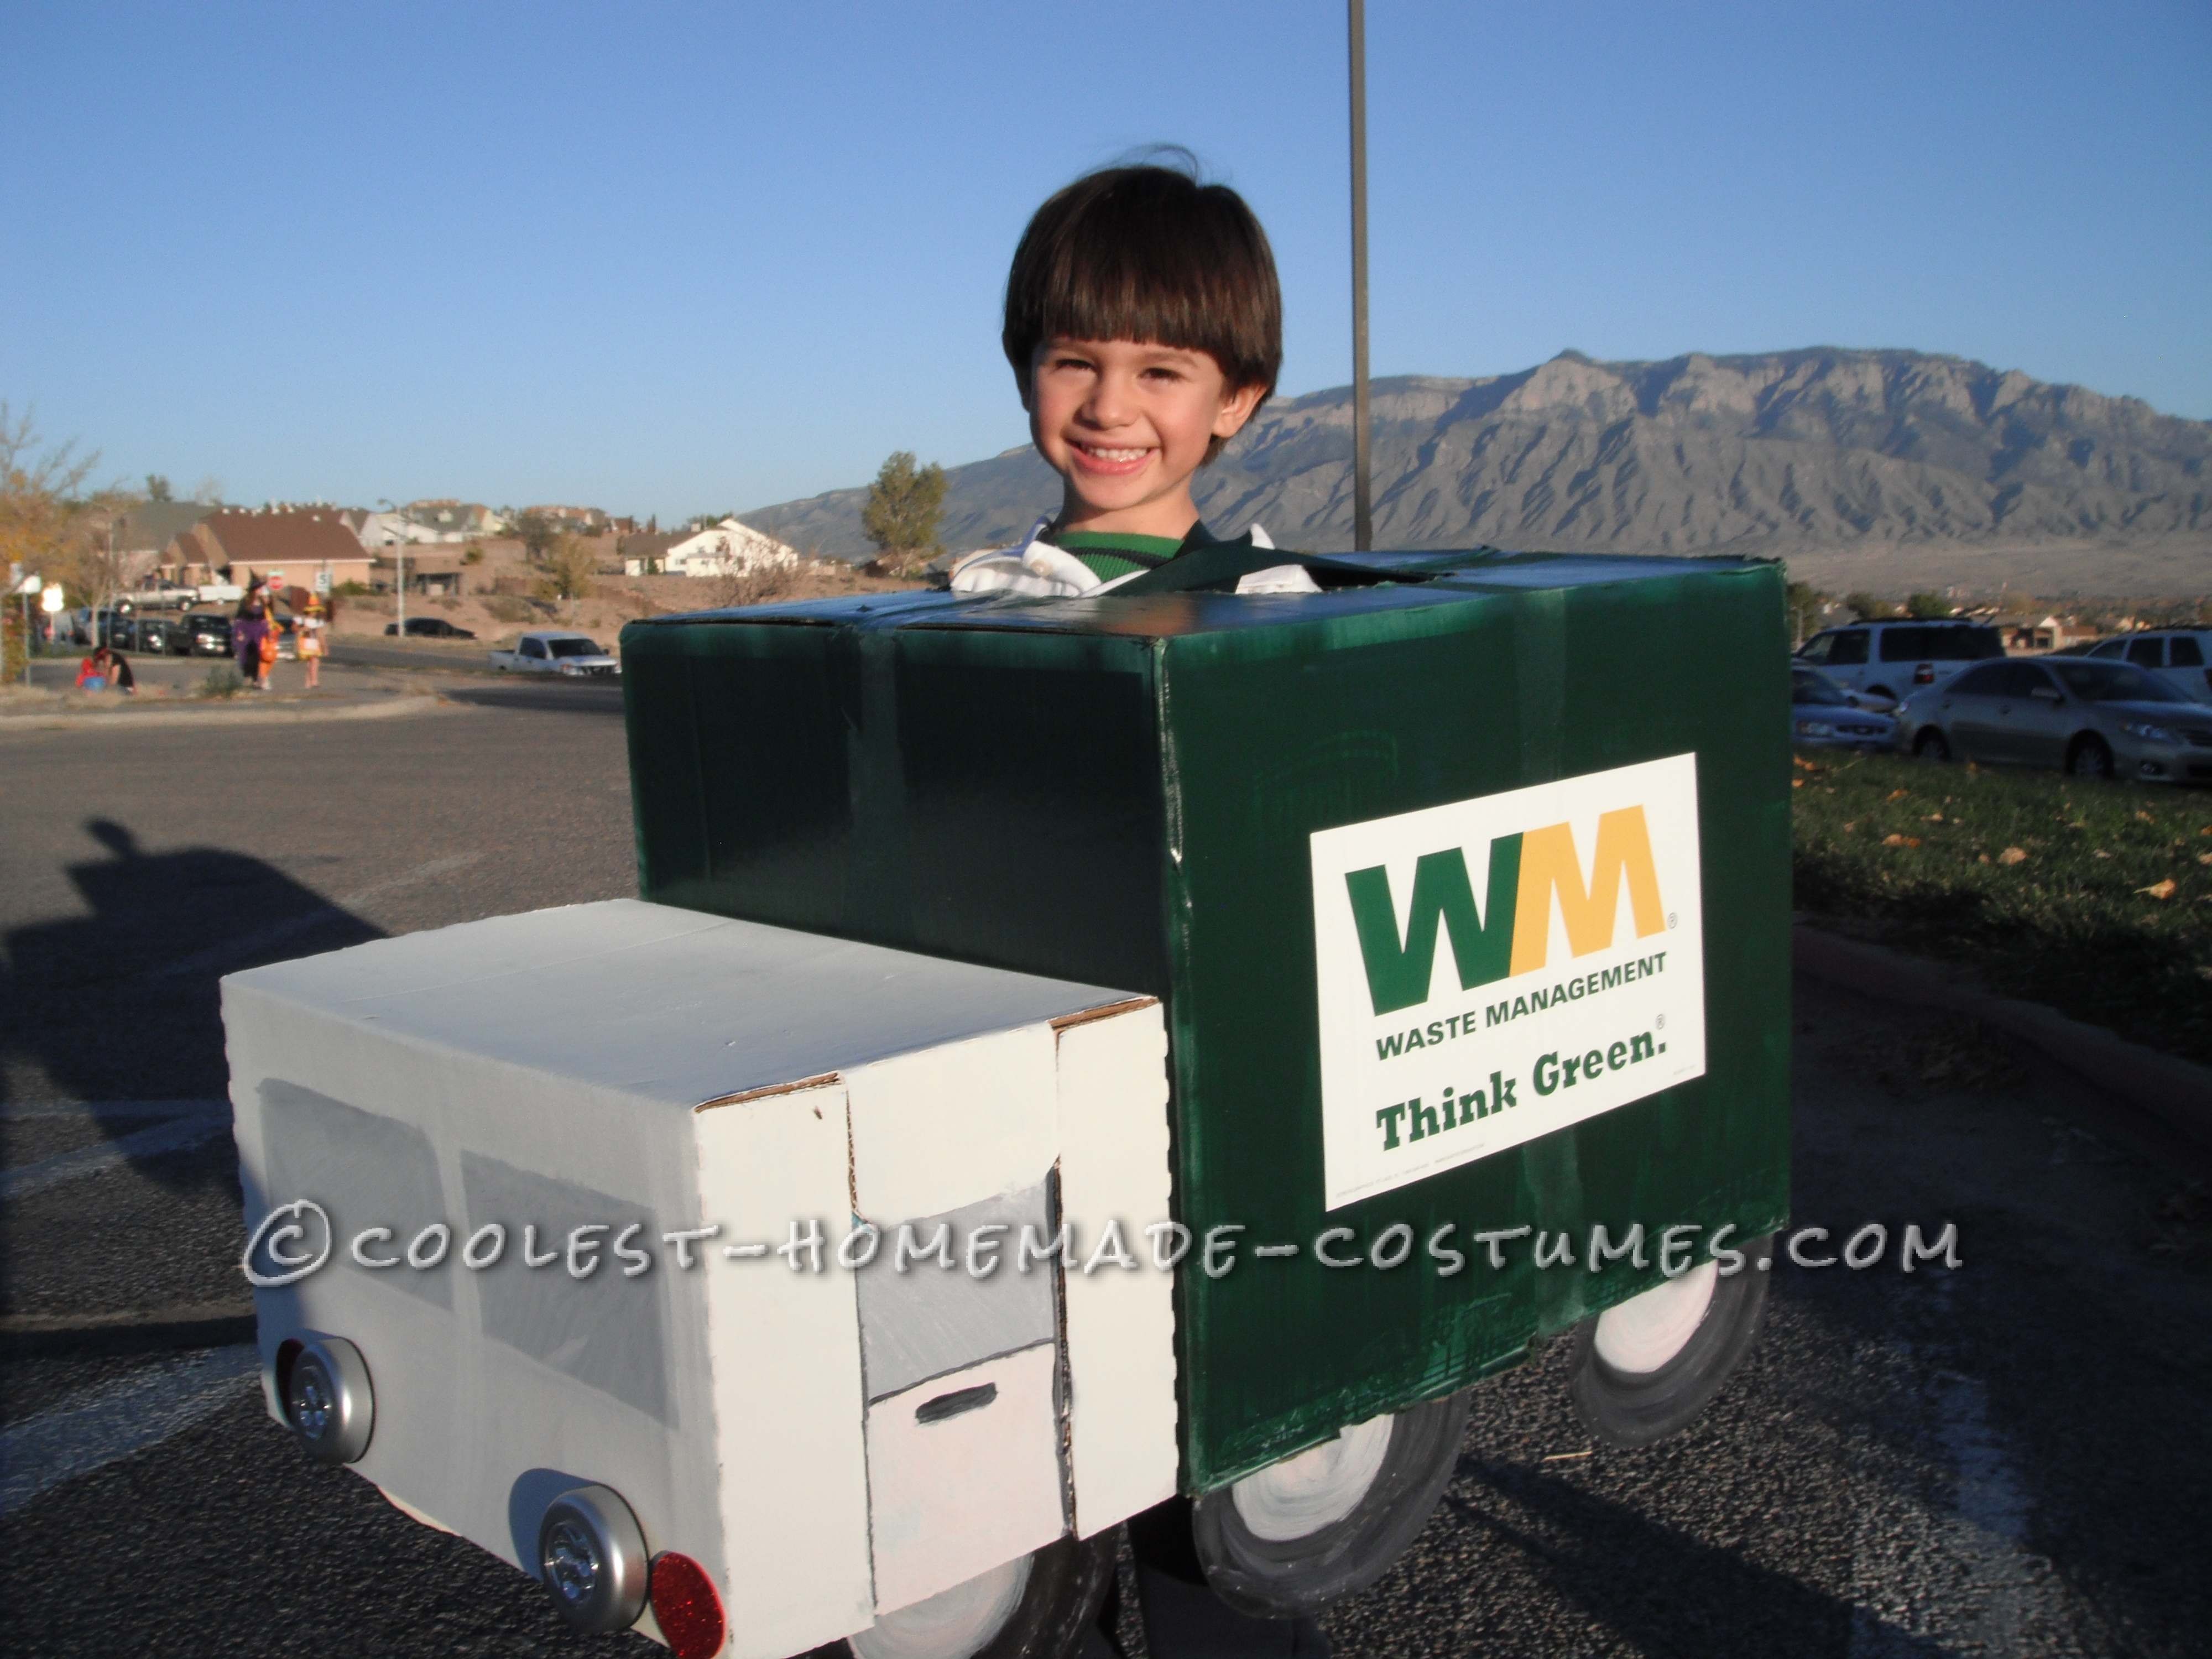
[828,1446]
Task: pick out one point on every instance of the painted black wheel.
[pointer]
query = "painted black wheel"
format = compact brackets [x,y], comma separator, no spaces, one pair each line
[1931,745]
[1330,1521]
[1641,1371]
[2089,757]
[1033,1608]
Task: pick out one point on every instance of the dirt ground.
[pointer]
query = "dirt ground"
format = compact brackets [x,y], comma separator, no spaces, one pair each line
[497,618]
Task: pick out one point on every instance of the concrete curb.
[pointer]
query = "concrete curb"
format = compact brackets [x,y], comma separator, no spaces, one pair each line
[141,719]
[141,1330]
[2176,1092]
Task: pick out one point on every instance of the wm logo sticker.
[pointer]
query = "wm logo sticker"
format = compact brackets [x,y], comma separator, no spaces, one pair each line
[1493,969]
[1529,874]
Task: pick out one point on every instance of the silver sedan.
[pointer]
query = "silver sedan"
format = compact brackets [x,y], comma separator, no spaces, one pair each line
[1823,715]
[2093,718]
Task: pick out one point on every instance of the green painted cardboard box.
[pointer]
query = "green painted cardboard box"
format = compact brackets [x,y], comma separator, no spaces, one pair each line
[1467,891]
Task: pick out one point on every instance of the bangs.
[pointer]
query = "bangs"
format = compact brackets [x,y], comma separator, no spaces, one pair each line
[1148,254]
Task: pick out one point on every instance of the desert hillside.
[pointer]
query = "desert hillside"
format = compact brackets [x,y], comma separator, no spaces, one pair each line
[1858,466]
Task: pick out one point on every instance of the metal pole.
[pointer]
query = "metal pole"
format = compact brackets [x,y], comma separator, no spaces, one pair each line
[1362,498]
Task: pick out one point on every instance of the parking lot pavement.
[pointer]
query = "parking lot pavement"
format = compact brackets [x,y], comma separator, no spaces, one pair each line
[2008,1456]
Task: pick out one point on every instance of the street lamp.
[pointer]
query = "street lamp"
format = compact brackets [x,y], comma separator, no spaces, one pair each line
[399,558]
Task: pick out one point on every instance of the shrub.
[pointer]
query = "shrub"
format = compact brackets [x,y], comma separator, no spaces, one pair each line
[757,586]
[222,680]
[513,608]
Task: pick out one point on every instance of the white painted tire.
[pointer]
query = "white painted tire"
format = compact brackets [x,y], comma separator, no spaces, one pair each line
[1642,1368]
[1034,1607]
[1288,1540]
[954,1624]
[1318,1487]
[1647,1331]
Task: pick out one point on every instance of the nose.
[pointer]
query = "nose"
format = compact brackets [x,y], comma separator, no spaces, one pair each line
[1109,404]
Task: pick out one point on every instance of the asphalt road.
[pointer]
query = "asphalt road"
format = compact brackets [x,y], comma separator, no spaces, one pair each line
[2011,1457]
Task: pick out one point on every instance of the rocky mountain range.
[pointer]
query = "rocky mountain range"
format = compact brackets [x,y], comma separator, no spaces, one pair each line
[1825,452]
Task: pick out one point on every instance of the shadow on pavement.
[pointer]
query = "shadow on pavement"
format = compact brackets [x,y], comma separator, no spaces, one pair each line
[122,1004]
[1657,1589]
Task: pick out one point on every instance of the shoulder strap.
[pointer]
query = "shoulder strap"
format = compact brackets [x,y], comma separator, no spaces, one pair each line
[1223,565]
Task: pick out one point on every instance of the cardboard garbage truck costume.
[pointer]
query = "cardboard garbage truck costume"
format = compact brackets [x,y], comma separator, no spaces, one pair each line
[1413,954]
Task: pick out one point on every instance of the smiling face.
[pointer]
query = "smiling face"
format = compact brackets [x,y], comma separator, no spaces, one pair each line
[1125,424]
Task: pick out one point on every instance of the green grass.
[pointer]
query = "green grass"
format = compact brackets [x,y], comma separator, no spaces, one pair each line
[1913,855]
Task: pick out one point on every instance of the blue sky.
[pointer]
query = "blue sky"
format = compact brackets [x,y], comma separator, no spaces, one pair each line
[670,259]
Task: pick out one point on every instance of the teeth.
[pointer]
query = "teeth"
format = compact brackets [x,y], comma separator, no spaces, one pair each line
[1112,454]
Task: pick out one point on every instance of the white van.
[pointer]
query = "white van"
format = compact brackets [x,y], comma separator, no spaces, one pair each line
[2182,656]
[1888,660]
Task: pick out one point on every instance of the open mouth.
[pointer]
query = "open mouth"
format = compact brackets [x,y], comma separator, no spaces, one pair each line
[1110,459]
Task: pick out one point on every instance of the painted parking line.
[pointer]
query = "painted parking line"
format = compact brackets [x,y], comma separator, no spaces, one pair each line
[197,1123]
[95,1428]
[278,931]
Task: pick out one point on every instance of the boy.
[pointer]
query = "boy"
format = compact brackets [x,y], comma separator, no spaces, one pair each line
[1144,325]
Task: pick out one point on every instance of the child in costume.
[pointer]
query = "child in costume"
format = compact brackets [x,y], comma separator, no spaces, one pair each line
[1144,325]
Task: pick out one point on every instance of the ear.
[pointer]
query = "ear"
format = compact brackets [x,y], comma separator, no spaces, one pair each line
[1236,408]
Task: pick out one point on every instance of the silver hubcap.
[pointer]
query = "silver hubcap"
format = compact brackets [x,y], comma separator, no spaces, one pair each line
[313,1400]
[1646,1331]
[572,1565]
[1299,1495]
[954,1624]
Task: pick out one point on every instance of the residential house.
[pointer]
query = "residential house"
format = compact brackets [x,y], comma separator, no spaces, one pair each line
[728,548]
[646,554]
[313,547]
[2051,631]
[573,521]
[431,572]
[151,526]
[455,520]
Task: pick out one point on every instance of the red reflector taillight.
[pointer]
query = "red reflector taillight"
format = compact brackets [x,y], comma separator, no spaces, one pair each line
[1925,675]
[686,1606]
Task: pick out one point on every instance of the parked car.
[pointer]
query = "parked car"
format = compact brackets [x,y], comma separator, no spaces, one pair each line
[107,626]
[2182,656]
[2095,718]
[206,634]
[553,651]
[149,635]
[430,628]
[164,595]
[1823,715]
[1887,660]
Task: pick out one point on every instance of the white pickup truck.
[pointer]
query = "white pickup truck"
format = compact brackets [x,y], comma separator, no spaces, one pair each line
[556,651]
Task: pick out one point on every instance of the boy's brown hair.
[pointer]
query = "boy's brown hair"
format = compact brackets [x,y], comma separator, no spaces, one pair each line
[1147,252]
